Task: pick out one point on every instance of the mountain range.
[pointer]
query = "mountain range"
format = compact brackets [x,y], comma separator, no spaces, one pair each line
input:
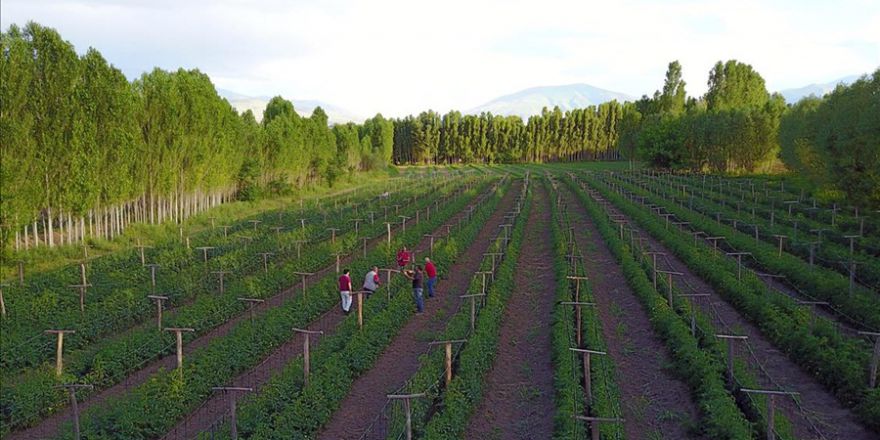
[305,107]
[523,103]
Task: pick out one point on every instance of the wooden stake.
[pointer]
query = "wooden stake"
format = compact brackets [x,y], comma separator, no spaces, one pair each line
[255,223]
[771,407]
[252,303]
[59,349]
[306,347]
[403,220]
[432,244]
[473,298]
[159,300]
[780,238]
[669,275]
[221,273]
[875,358]
[2,301]
[71,389]
[266,256]
[303,276]
[738,256]
[153,268]
[588,386]
[205,250]
[333,234]
[360,302]
[225,230]
[448,346]
[388,229]
[406,405]
[178,332]
[577,307]
[140,249]
[82,295]
[730,339]
[233,423]
[654,265]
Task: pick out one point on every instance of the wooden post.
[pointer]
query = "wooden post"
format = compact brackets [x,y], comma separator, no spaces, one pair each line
[225,230]
[303,276]
[714,241]
[221,273]
[771,407]
[302,224]
[577,307]
[21,272]
[473,298]
[338,256]
[159,300]
[403,220]
[140,249]
[730,339]
[388,230]
[595,422]
[432,244]
[372,216]
[875,358]
[653,255]
[693,312]
[483,274]
[360,303]
[365,240]
[493,255]
[738,256]
[205,250]
[2,301]
[448,346]
[233,423]
[306,348]
[255,223]
[333,234]
[178,333]
[588,386]
[278,229]
[252,303]
[780,238]
[357,222]
[153,268]
[59,349]
[71,389]
[266,256]
[669,275]
[406,398]
[82,295]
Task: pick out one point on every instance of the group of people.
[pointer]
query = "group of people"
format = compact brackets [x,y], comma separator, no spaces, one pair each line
[372,281]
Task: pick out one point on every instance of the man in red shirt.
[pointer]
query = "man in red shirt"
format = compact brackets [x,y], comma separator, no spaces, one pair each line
[403,257]
[345,291]
[431,272]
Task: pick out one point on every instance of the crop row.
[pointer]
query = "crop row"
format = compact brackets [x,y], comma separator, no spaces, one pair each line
[150,409]
[108,362]
[301,411]
[836,361]
[827,252]
[862,305]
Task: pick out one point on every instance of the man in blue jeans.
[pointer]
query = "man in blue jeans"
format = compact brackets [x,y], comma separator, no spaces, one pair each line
[416,277]
[431,273]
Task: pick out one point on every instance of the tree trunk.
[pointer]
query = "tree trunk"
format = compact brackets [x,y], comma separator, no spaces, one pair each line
[48,229]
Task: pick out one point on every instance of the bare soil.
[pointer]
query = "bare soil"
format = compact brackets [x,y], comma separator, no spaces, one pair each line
[400,360]
[821,410]
[655,404]
[518,395]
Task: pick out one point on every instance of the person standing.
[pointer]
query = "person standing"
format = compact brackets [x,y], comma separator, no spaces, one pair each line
[345,291]
[403,257]
[371,281]
[431,273]
[416,277]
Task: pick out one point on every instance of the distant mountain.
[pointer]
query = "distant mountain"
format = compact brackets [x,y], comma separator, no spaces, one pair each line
[818,90]
[530,101]
[305,107]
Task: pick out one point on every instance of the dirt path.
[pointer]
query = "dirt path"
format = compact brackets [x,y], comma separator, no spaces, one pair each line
[655,403]
[518,396]
[821,408]
[49,426]
[400,360]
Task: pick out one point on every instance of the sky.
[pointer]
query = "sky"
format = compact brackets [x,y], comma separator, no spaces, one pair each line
[403,57]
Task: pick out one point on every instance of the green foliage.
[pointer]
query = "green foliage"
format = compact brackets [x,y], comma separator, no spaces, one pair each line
[834,140]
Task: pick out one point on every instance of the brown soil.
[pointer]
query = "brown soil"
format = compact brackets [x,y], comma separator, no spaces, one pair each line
[655,404]
[50,426]
[400,360]
[824,411]
[518,395]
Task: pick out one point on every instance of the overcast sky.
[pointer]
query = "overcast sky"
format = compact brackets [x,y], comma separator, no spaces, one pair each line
[400,57]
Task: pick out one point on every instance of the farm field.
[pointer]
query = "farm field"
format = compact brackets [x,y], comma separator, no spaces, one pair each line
[544,271]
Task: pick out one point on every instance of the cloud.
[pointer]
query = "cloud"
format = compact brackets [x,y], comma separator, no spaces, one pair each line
[399,57]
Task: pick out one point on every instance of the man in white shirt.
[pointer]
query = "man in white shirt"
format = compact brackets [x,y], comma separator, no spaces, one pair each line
[371,281]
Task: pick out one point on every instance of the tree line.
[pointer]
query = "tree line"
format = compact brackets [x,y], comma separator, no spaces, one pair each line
[85,152]
[580,134]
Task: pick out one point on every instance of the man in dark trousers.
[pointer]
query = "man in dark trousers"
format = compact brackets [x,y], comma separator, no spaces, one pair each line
[416,277]
[431,273]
